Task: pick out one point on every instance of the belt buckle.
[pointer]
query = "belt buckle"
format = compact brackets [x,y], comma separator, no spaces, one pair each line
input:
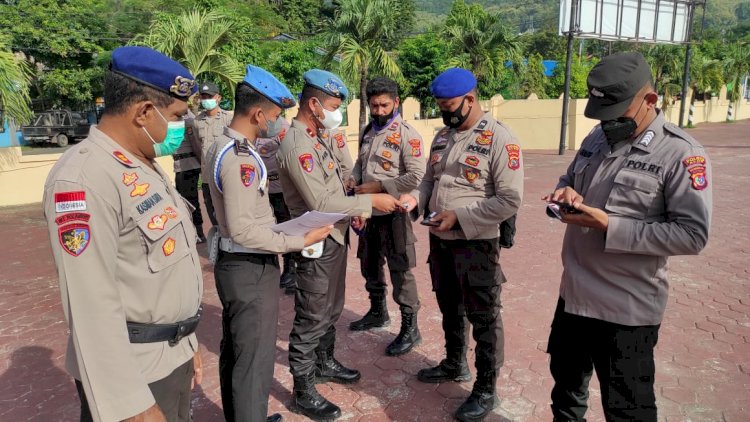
[179,335]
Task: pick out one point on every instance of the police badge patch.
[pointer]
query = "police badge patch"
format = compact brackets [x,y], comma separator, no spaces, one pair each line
[74,238]
[306,161]
[340,141]
[471,174]
[514,156]
[168,246]
[247,174]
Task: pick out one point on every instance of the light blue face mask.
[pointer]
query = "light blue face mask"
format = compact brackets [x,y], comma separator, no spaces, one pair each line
[209,104]
[173,139]
[273,129]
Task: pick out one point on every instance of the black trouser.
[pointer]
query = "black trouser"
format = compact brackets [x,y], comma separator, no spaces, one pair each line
[317,305]
[186,183]
[209,204]
[172,395]
[281,212]
[467,278]
[623,357]
[390,238]
[248,287]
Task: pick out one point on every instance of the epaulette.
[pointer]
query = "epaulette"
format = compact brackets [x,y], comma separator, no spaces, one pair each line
[678,132]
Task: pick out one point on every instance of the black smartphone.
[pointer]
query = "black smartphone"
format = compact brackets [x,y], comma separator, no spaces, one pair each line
[565,207]
[428,220]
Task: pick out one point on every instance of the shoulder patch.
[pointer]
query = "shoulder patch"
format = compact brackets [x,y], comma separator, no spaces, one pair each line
[74,237]
[70,201]
[514,156]
[247,174]
[306,161]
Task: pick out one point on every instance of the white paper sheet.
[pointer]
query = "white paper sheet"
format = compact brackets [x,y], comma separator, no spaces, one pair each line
[306,222]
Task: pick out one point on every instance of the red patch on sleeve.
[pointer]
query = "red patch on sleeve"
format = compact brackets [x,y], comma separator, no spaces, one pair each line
[70,201]
[514,156]
[306,161]
[247,174]
[340,141]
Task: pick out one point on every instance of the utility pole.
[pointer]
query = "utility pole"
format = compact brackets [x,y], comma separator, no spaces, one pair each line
[568,63]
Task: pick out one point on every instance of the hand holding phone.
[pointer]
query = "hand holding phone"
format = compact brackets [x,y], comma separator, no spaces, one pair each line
[428,220]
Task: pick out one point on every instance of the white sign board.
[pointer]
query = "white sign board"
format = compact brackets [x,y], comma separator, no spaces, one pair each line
[662,21]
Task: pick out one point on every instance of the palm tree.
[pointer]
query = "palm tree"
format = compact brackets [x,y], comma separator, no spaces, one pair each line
[736,67]
[356,36]
[705,75]
[195,39]
[15,77]
[666,63]
[479,41]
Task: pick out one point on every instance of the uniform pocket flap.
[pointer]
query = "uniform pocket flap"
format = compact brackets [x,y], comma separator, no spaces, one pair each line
[637,180]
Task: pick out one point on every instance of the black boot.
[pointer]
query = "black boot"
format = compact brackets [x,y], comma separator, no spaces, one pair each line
[288,280]
[275,418]
[407,338]
[376,317]
[310,403]
[328,369]
[450,369]
[481,401]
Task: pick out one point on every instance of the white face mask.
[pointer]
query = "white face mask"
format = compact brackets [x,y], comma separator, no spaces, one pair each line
[332,119]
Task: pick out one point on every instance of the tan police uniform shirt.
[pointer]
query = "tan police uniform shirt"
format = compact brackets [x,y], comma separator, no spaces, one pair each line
[124,246]
[242,208]
[657,193]
[267,147]
[478,173]
[393,156]
[186,158]
[313,180]
[204,131]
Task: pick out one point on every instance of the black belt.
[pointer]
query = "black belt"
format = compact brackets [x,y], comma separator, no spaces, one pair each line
[155,333]
[183,156]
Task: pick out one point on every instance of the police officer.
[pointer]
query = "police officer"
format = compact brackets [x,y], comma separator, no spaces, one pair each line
[247,270]
[474,181]
[205,130]
[187,172]
[391,159]
[641,193]
[312,180]
[267,147]
[124,246]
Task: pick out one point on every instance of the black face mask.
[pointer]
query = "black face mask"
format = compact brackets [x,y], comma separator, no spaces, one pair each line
[620,129]
[381,121]
[454,119]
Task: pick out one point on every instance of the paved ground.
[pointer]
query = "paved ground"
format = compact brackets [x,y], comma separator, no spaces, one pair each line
[703,356]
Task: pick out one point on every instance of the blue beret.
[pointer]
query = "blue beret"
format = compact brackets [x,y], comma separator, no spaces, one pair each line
[152,68]
[268,86]
[326,82]
[453,83]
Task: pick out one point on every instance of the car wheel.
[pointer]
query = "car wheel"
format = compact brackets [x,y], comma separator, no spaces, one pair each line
[61,139]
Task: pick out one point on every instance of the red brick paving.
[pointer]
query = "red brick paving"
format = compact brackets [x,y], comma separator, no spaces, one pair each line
[703,356]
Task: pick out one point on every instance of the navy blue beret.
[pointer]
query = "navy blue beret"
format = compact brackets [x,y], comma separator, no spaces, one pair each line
[326,82]
[152,68]
[267,85]
[453,83]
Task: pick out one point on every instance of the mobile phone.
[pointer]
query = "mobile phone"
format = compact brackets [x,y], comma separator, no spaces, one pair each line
[553,211]
[568,208]
[428,220]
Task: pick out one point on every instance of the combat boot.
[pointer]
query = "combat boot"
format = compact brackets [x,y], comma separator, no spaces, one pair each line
[309,402]
[481,401]
[407,338]
[328,369]
[449,369]
[376,317]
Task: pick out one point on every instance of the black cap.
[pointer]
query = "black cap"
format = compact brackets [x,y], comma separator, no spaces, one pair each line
[613,83]
[208,88]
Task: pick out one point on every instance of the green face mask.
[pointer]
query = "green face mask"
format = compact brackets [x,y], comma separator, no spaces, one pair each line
[209,104]
[175,135]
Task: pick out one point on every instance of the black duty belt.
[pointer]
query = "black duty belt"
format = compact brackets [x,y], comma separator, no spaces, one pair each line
[155,333]
[183,156]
